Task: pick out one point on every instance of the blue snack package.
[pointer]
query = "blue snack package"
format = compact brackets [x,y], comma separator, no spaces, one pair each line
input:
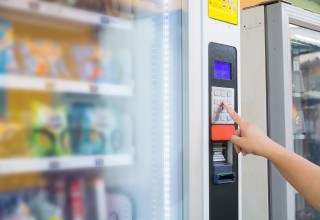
[8,61]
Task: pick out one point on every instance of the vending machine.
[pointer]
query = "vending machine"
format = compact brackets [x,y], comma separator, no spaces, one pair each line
[281,44]
[111,110]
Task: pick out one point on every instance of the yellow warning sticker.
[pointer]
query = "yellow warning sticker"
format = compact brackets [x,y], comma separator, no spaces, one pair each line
[224,10]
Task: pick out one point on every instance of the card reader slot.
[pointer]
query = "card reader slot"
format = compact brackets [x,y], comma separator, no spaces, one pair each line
[223,173]
[225,178]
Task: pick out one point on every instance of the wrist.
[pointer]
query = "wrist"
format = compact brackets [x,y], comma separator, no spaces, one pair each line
[273,150]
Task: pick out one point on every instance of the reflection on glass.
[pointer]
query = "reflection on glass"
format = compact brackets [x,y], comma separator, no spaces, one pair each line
[305,48]
[89,110]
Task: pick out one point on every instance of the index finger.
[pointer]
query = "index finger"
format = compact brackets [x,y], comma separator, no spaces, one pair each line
[234,115]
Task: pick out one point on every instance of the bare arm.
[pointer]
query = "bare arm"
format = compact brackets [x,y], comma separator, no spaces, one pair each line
[303,175]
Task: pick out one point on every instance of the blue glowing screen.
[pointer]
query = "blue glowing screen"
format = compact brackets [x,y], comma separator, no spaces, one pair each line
[221,70]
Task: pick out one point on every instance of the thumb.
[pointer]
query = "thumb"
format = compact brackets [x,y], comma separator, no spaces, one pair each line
[236,140]
[238,149]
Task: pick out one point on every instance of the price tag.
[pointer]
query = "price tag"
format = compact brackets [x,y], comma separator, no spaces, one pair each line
[34,6]
[50,85]
[94,88]
[99,162]
[54,165]
[105,20]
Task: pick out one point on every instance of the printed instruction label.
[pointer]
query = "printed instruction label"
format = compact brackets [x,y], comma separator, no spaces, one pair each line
[223,10]
[219,154]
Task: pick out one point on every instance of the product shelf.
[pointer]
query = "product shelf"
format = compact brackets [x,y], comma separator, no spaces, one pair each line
[313,98]
[24,165]
[13,81]
[297,95]
[299,136]
[313,95]
[66,13]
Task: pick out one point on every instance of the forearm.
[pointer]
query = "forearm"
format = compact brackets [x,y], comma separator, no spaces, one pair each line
[303,175]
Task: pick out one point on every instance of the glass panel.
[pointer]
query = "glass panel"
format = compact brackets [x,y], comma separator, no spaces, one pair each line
[305,48]
[90,110]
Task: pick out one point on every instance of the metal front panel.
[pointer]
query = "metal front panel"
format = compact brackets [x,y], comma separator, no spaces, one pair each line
[279,18]
[192,111]
[226,34]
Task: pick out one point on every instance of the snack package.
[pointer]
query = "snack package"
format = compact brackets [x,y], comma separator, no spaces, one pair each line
[60,194]
[87,62]
[119,206]
[19,181]
[34,57]
[43,58]
[50,135]
[13,140]
[107,121]
[298,120]
[124,58]
[99,129]
[85,138]
[111,69]
[8,62]
[95,193]
[12,207]
[42,208]
[8,204]
[21,212]
[77,198]
[56,61]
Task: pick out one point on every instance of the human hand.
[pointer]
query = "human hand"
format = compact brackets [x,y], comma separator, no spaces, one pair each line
[248,138]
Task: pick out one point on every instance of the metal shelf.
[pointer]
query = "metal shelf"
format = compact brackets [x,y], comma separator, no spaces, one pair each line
[313,98]
[312,95]
[10,81]
[66,13]
[299,136]
[24,165]
[297,95]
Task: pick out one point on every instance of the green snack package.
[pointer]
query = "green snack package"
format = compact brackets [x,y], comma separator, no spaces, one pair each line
[50,134]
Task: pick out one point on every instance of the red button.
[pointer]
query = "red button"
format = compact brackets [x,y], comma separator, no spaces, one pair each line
[222,132]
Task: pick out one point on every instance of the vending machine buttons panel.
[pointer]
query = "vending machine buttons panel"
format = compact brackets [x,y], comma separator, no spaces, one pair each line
[219,114]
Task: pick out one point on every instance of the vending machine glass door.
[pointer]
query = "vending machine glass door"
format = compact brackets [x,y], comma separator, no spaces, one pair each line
[90,109]
[305,50]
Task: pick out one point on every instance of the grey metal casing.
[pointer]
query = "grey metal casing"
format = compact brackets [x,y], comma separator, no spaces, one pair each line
[254,109]
[279,17]
[278,77]
[192,111]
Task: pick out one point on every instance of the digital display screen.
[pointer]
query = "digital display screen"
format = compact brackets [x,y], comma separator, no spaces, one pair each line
[222,70]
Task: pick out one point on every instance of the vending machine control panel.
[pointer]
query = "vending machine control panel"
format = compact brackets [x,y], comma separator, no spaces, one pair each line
[223,160]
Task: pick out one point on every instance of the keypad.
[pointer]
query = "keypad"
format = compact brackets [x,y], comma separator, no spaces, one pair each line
[219,115]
